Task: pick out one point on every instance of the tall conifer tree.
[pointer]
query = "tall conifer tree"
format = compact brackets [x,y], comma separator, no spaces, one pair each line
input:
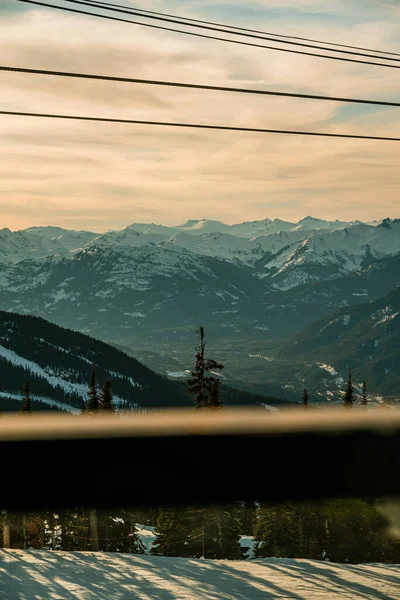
[305,399]
[204,387]
[348,398]
[93,401]
[106,397]
[196,385]
[26,404]
[364,398]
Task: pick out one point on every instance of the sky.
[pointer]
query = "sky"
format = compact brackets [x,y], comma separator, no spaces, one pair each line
[100,176]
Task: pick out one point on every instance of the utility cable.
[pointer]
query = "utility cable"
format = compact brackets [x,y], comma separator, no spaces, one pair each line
[209,37]
[197,126]
[195,86]
[291,37]
[179,21]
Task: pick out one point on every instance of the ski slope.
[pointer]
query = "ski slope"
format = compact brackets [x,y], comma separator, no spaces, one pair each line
[47,575]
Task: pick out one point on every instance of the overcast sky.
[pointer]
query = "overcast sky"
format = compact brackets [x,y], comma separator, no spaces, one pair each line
[98,176]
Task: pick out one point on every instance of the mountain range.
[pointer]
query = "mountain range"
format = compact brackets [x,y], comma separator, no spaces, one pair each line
[255,286]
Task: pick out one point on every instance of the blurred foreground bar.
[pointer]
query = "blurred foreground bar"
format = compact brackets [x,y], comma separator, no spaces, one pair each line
[181,457]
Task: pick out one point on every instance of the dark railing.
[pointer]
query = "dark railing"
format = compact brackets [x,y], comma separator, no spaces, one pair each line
[181,457]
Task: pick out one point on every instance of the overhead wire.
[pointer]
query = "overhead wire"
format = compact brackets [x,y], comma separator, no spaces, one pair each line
[292,37]
[179,21]
[197,126]
[195,86]
[204,36]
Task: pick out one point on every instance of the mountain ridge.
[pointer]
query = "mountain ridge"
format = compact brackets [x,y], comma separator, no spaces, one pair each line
[149,291]
[59,361]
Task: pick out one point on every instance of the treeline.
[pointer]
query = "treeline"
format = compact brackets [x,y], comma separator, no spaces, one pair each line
[72,529]
[96,401]
[349,396]
[340,530]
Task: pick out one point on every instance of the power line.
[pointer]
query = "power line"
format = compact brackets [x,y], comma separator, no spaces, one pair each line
[209,37]
[179,21]
[197,126]
[291,37]
[195,86]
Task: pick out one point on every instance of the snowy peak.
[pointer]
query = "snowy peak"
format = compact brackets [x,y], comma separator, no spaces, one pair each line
[286,254]
[40,242]
[389,223]
[311,223]
[326,254]
[203,226]
[151,228]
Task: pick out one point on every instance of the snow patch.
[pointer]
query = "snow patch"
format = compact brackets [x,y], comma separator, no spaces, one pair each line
[268,358]
[178,374]
[328,368]
[44,400]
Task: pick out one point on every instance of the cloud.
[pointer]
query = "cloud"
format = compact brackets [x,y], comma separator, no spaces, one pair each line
[107,175]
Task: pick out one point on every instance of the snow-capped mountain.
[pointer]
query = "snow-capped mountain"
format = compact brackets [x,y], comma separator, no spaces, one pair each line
[149,286]
[114,292]
[39,242]
[245,242]
[311,223]
[328,254]
[364,337]
[117,284]
[204,226]
[248,229]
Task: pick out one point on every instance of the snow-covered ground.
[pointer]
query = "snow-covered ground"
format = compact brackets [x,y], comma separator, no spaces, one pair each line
[46,575]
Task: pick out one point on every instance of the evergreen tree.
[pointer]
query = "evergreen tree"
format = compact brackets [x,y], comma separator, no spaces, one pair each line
[215,533]
[348,398]
[72,526]
[106,397]
[118,532]
[339,530]
[246,512]
[194,532]
[26,405]
[93,401]
[290,530]
[83,407]
[276,531]
[203,387]
[222,534]
[173,533]
[196,386]
[364,398]
[356,531]
[305,399]
[213,388]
